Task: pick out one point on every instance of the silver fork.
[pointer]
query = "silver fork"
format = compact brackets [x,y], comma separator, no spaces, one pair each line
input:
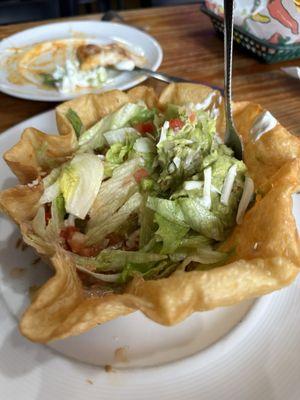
[162,76]
[232,138]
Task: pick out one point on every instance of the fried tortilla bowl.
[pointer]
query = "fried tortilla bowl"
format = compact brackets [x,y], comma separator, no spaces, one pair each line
[266,243]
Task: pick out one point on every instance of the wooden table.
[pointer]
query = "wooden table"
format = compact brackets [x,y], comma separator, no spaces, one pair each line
[192,50]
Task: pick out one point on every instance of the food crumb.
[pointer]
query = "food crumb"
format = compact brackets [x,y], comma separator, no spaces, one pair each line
[121,354]
[36,260]
[108,368]
[255,246]
[33,183]
[89,381]
[17,272]
[18,243]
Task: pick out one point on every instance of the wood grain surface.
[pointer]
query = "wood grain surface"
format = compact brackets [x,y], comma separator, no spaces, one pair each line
[192,50]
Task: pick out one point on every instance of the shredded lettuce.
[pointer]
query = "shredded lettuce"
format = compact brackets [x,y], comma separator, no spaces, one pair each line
[189,212]
[144,270]
[121,135]
[101,277]
[123,264]
[116,260]
[94,137]
[200,219]
[122,147]
[192,191]
[58,213]
[50,193]
[113,193]
[170,233]
[181,152]
[144,115]
[80,183]
[52,177]
[162,270]
[146,221]
[117,153]
[206,258]
[196,241]
[99,232]
[144,145]
[75,121]
[168,209]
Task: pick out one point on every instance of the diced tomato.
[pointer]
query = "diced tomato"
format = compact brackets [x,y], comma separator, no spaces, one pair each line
[140,174]
[78,246]
[192,117]
[67,232]
[47,213]
[176,124]
[90,251]
[145,127]
[114,238]
[75,241]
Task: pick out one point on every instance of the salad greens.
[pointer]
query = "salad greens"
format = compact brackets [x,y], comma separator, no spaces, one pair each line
[48,79]
[76,122]
[147,193]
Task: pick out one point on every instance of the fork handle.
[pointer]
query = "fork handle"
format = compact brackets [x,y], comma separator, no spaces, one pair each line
[170,78]
[228,45]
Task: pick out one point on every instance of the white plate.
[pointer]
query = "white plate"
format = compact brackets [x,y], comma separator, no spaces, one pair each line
[249,351]
[103,32]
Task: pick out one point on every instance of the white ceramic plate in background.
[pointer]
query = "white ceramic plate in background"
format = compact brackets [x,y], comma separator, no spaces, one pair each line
[102,32]
[249,351]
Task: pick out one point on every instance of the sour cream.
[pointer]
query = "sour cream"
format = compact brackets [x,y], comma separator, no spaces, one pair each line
[70,77]
[126,65]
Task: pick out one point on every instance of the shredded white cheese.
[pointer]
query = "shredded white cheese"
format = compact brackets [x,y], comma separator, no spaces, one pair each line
[228,185]
[171,168]
[163,132]
[189,159]
[192,185]
[245,200]
[177,161]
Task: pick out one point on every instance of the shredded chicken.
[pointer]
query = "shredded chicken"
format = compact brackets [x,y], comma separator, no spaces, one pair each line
[91,56]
